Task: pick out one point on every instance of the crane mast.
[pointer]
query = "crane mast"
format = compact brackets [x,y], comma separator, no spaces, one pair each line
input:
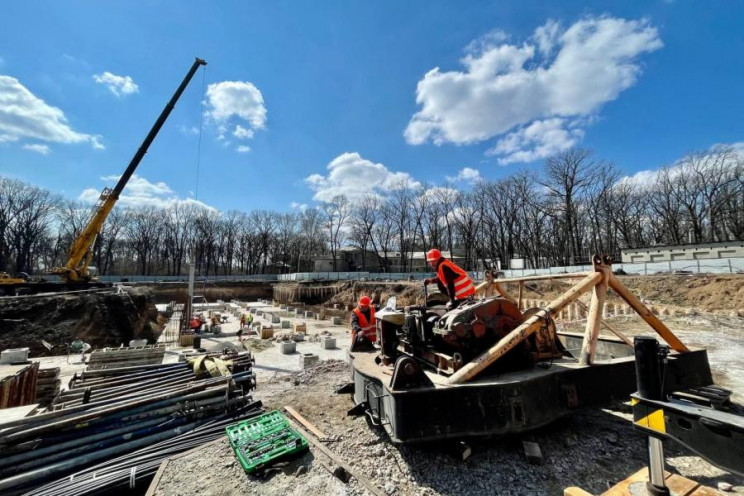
[81,251]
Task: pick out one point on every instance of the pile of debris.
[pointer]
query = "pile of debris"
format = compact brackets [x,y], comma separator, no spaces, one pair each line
[112,412]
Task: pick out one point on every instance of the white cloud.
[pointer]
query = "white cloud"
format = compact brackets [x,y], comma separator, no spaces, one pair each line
[118,85]
[228,101]
[540,139]
[351,175]
[139,192]
[550,83]
[242,133]
[43,149]
[299,206]
[241,99]
[467,174]
[25,116]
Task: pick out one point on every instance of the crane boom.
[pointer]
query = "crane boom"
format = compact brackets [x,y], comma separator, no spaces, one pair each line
[81,250]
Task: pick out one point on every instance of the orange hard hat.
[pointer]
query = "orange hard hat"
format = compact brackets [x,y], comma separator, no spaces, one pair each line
[365,301]
[433,255]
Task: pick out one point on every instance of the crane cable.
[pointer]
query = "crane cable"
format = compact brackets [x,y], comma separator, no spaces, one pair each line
[201,125]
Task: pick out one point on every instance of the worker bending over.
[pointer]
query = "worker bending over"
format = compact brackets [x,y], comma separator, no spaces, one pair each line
[451,279]
[363,326]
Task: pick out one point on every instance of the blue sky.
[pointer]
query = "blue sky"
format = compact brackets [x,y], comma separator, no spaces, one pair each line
[325,93]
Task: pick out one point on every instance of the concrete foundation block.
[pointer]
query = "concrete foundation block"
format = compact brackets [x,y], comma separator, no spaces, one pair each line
[299,311]
[14,355]
[253,310]
[328,343]
[137,342]
[336,306]
[275,319]
[309,315]
[287,347]
[259,312]
[286,324]
[308,360]
[336,321]
[298,337]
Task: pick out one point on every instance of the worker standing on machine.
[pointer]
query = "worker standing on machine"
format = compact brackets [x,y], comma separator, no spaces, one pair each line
[363,326]
[451,279]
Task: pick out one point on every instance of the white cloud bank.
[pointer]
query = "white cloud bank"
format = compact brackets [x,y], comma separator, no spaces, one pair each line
[118,85]
[139,192]
[540,92]
[230,101]
[354,176]
[24,116]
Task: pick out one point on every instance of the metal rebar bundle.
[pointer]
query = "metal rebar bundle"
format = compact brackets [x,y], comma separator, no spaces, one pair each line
[111,413]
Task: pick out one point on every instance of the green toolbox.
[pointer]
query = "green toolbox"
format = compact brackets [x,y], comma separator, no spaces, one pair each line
[262,440]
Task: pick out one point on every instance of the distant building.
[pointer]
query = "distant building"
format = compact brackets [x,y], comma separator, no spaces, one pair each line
[325,264]
[667,253]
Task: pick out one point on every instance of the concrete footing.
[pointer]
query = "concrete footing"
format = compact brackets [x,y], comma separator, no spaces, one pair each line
[287,347]
[286,324]
[309,315]
[308,360]
[14,355]
[328,343]
[275,319]
[336,321]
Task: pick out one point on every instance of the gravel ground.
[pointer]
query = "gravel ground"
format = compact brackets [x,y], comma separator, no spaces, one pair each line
[592,449]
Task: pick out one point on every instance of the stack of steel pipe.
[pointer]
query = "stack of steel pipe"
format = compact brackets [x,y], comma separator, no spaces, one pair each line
[135,470]
[108,414]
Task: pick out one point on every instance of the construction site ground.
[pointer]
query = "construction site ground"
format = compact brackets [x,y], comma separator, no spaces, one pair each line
[593,449]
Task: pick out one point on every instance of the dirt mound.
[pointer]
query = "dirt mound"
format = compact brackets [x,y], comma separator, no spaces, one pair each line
[100,319]
[407,293]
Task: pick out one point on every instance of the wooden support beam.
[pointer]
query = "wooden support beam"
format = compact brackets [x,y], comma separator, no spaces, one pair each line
[308,425]
[529,326]
[646,314]
[596,311]
[521,290]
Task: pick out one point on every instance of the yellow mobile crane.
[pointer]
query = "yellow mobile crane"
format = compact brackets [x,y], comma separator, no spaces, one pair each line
[77,273]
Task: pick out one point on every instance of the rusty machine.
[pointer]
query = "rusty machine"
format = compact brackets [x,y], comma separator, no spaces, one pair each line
[489,367]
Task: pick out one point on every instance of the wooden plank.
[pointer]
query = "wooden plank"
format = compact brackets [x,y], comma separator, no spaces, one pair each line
[575,491]
[704,491]
[363,480]
[309,426]
[681,486]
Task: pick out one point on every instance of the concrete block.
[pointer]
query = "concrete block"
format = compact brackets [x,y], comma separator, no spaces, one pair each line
[308,360]
[266,332]
[137,342]
[14,355]
[336,321]
[275,319]
[336,306]
[532,452]
[259,312]
[287,347]
[286,324]
[300,327]
[299,311]
[309,315]
[328,343]
[253,310]
[298,337]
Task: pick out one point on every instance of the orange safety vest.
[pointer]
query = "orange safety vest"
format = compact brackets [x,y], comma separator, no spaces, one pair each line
[463,284]
[369,329]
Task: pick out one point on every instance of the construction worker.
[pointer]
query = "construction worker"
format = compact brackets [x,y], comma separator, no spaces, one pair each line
[363,326]
[451,279]
[242,321]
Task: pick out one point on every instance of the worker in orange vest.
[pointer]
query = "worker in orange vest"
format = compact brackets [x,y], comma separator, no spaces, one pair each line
[363,326]
[451,279]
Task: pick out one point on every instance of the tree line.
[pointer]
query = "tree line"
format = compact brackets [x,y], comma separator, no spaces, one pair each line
[574,206]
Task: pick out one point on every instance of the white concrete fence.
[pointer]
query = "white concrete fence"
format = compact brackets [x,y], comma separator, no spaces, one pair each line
[711,266]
